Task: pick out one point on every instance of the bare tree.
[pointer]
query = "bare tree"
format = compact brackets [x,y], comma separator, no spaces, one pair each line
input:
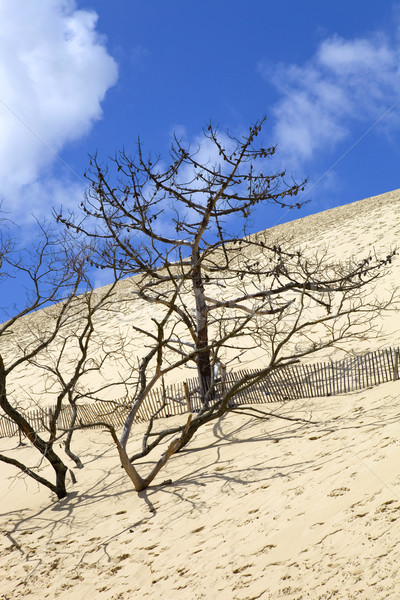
[49,348]
[215,296]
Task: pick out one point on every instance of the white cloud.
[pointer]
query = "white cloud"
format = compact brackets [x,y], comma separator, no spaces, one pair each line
[346,81]
[54,73]
[39,198]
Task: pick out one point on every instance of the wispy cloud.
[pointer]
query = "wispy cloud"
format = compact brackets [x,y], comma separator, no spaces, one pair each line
[347,81]
[54,71]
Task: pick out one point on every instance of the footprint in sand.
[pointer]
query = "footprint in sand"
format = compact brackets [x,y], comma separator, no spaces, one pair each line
[386,507]
[339,492]
[197,530]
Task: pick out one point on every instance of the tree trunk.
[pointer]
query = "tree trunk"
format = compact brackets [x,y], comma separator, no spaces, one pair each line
[61,472]
[45,448]
[203,358]
[67,448]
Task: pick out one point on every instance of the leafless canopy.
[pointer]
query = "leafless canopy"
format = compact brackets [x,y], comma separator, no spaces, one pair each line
[36,346]
[216,295]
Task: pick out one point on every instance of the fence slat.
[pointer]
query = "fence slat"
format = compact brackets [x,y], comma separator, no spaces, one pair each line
[396,365]
[384,362]
[280,385]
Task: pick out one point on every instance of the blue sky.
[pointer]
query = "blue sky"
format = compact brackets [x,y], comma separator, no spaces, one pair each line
[84,76]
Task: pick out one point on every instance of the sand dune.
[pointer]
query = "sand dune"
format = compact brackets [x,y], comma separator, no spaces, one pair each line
[255,508]
[269,509]
[357,229]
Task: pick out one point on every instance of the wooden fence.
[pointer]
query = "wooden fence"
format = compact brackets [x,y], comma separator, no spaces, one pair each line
[280,385]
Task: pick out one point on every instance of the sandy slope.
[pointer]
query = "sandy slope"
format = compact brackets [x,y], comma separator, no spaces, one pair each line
[357,229]
[256,509]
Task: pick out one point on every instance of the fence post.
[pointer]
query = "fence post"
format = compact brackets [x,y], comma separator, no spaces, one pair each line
[223,379]
[396,365]
[187,396]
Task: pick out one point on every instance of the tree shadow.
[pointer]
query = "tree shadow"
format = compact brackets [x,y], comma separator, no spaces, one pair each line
[269,468]
[188,479]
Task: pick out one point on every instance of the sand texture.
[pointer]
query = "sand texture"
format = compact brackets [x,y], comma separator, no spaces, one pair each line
[253,508]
